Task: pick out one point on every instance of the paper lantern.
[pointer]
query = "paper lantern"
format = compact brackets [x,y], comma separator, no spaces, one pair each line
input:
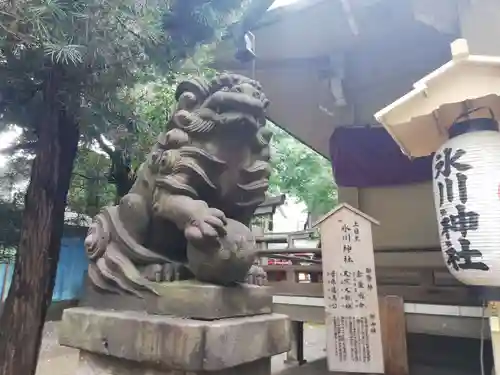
[467,198]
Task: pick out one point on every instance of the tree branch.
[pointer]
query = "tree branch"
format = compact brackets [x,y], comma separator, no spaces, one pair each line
[128,28]
[108,150]
[82,176]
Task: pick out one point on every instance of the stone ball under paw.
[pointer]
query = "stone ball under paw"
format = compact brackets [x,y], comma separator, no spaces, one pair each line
[230,262]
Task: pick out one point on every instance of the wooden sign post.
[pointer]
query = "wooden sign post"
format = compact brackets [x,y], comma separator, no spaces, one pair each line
[354,340]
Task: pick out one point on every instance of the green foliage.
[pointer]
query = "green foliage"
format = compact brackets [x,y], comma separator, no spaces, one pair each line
[302,173]
[66,67]
[117,63]
[207,20]
[10,220]
[15,172]
[153,103]
[297,170]
[98,47]
[90,189]
[7,254]
[93,55]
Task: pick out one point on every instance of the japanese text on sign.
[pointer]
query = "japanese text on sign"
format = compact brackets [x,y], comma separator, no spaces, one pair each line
[457,222]
[351,301]
[352,333]
[348,288]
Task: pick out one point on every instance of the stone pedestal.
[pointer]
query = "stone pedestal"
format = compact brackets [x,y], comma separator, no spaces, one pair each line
[189,299]
[127,342]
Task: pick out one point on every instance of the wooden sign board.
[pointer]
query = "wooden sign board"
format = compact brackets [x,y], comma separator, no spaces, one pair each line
[354,340]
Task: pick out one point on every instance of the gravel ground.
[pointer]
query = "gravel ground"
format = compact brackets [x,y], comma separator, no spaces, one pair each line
[58,360]
[55,359]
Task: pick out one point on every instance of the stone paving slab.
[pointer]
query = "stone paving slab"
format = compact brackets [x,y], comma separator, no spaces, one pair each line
[319,367]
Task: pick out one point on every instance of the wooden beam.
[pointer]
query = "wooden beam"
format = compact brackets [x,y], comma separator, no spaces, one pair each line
[393,326]
[296,258]
[309,63]
[388,259]
[296,353]
[353,25]
[296,269]
[277,237]
[426,324]
[449,295]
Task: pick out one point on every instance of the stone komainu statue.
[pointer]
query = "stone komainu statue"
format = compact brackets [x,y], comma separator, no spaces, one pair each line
[187,214]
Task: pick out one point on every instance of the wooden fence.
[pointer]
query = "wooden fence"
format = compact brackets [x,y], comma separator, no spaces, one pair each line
[419,276]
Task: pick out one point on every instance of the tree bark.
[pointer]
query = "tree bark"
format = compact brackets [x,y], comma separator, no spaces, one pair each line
[21,324]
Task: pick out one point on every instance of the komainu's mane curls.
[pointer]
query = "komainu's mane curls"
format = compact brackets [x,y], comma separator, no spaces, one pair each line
[227,100]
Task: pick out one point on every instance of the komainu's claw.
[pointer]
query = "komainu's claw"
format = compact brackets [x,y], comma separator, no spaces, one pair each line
[167,272]
[207,228]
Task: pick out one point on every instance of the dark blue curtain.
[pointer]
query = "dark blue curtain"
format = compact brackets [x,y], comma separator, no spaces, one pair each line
[368,156]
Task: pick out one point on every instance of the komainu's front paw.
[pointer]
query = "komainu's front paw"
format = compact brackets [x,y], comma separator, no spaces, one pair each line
[256,276]
[167,272]
[206,228]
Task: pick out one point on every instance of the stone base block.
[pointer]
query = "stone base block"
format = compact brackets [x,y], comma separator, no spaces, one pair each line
[97,364]
[190,299]
[170,343]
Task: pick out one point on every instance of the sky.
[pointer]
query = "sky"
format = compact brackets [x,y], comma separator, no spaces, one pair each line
[6,139]
[281,3]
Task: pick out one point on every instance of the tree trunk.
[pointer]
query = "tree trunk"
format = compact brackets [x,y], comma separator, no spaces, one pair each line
[21,324]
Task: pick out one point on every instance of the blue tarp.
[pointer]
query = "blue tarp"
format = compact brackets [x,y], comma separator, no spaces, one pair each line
[70,271]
